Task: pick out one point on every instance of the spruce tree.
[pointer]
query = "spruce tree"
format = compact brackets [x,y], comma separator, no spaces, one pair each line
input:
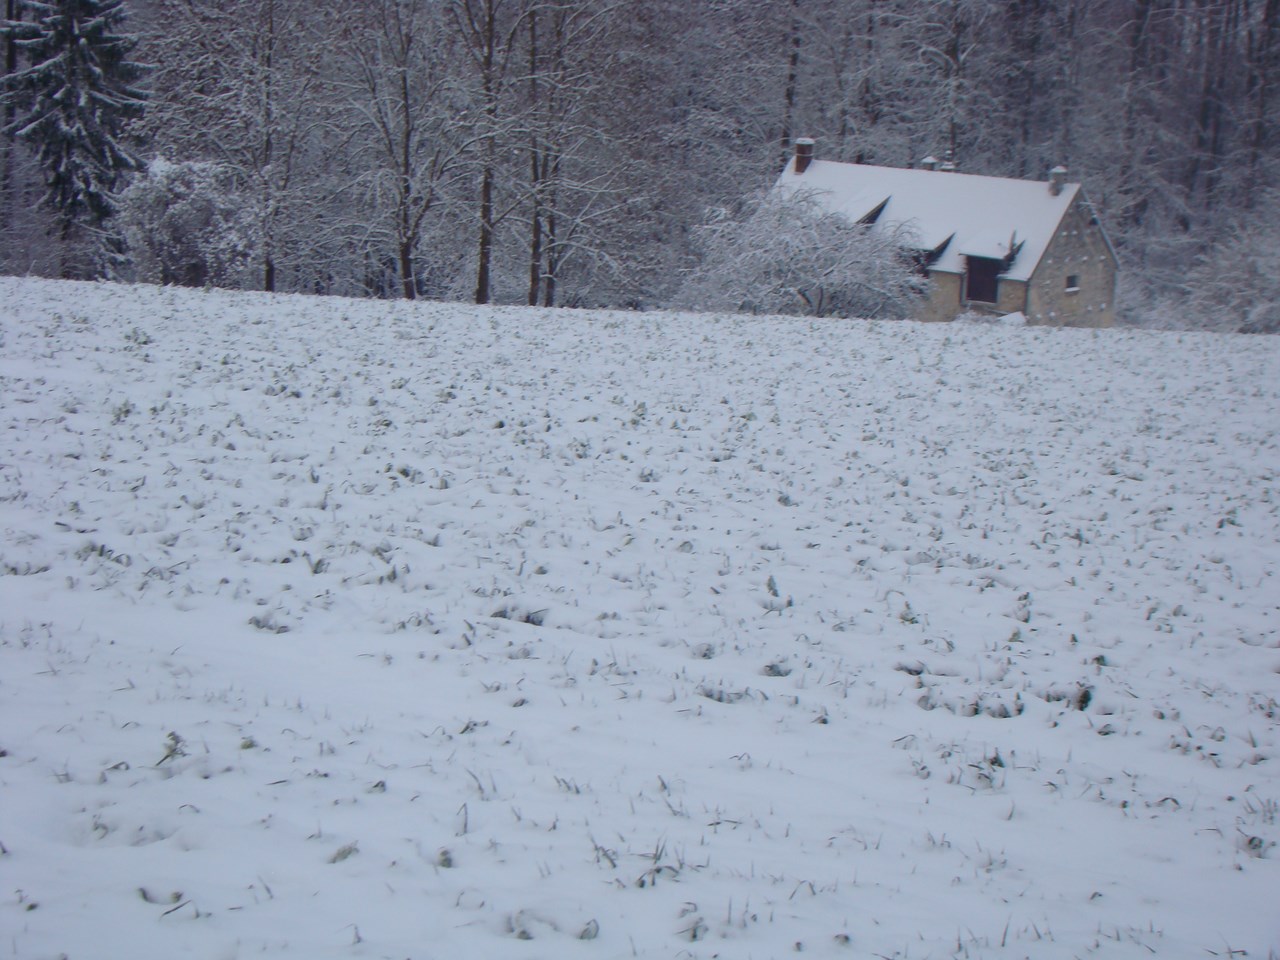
[73,102]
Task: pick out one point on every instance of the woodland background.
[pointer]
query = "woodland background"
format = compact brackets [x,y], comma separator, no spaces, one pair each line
[568,152]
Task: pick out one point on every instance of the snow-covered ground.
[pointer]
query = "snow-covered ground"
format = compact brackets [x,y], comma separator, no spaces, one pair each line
[339,629]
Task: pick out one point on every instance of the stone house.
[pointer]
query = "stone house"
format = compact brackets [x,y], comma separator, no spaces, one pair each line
[988,244]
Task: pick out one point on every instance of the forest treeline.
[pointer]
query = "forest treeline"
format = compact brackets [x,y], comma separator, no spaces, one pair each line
[567,152]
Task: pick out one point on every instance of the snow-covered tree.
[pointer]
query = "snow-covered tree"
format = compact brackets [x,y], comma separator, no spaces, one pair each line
[409,149]
[786,254]
[187,224]
[73,103]
[1236,284]
[575,181]
[9,40]
[243,83]
[488,31]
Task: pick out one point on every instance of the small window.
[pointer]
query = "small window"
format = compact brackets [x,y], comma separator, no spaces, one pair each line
[1073,282]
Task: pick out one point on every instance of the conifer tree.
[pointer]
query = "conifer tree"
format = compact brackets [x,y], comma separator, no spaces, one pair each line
[73,102]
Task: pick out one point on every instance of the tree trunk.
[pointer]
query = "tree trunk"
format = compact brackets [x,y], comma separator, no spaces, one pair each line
[954,52]
[1026,21]
[1134,155]
[1263,49]
[408,231]
[10,114]
[1206,147]
[793,80]
[484,252]
[488,41]
[535,172]
[407,285]
[65,232]
[867,95]
[553,263]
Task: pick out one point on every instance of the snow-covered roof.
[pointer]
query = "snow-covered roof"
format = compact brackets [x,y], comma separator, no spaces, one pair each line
[980,215]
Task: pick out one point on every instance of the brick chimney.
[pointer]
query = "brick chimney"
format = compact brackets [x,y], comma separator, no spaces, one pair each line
[804,154]
[1057,178]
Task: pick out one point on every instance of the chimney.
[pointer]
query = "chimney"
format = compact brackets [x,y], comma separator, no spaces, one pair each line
[804,154]
[929,163]
[1057,177]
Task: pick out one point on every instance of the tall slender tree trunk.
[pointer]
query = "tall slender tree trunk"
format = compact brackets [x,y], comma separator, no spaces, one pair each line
[407,286]
[553,263]
[7,204]
[535,258]
[535,169]
[1134,155]
[489,161]
[1264,45]
[954,52]
[1026,21]
[268,150]
[1065,123]
[793,82]
[268,244]
[1206,147]
[408,228]
[868,94]
[64,250]
[484,252]
[551,245]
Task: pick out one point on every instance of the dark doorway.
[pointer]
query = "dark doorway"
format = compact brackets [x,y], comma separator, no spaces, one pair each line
[982,279]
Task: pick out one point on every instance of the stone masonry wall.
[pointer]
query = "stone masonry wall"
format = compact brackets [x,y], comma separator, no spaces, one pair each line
[946,298]
[1078,249]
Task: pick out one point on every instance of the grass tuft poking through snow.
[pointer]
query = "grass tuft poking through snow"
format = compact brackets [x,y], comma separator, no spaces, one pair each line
[359,629]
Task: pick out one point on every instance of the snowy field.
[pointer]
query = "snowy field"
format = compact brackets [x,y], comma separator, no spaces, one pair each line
[337,629]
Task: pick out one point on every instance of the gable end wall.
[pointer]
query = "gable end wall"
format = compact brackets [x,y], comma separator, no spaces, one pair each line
[1078,248]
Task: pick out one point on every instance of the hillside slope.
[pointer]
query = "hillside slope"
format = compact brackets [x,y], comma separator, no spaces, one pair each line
[352,629]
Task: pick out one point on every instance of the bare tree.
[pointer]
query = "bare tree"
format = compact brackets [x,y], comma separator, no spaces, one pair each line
[576,174]
[238,84]
[488,30]
[401,93]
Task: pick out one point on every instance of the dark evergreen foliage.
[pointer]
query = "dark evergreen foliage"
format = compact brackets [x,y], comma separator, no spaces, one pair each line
[73,103]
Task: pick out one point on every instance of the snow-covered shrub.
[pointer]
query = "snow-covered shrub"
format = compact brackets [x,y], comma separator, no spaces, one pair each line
[786,254]
[1236,286]
[185,224]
